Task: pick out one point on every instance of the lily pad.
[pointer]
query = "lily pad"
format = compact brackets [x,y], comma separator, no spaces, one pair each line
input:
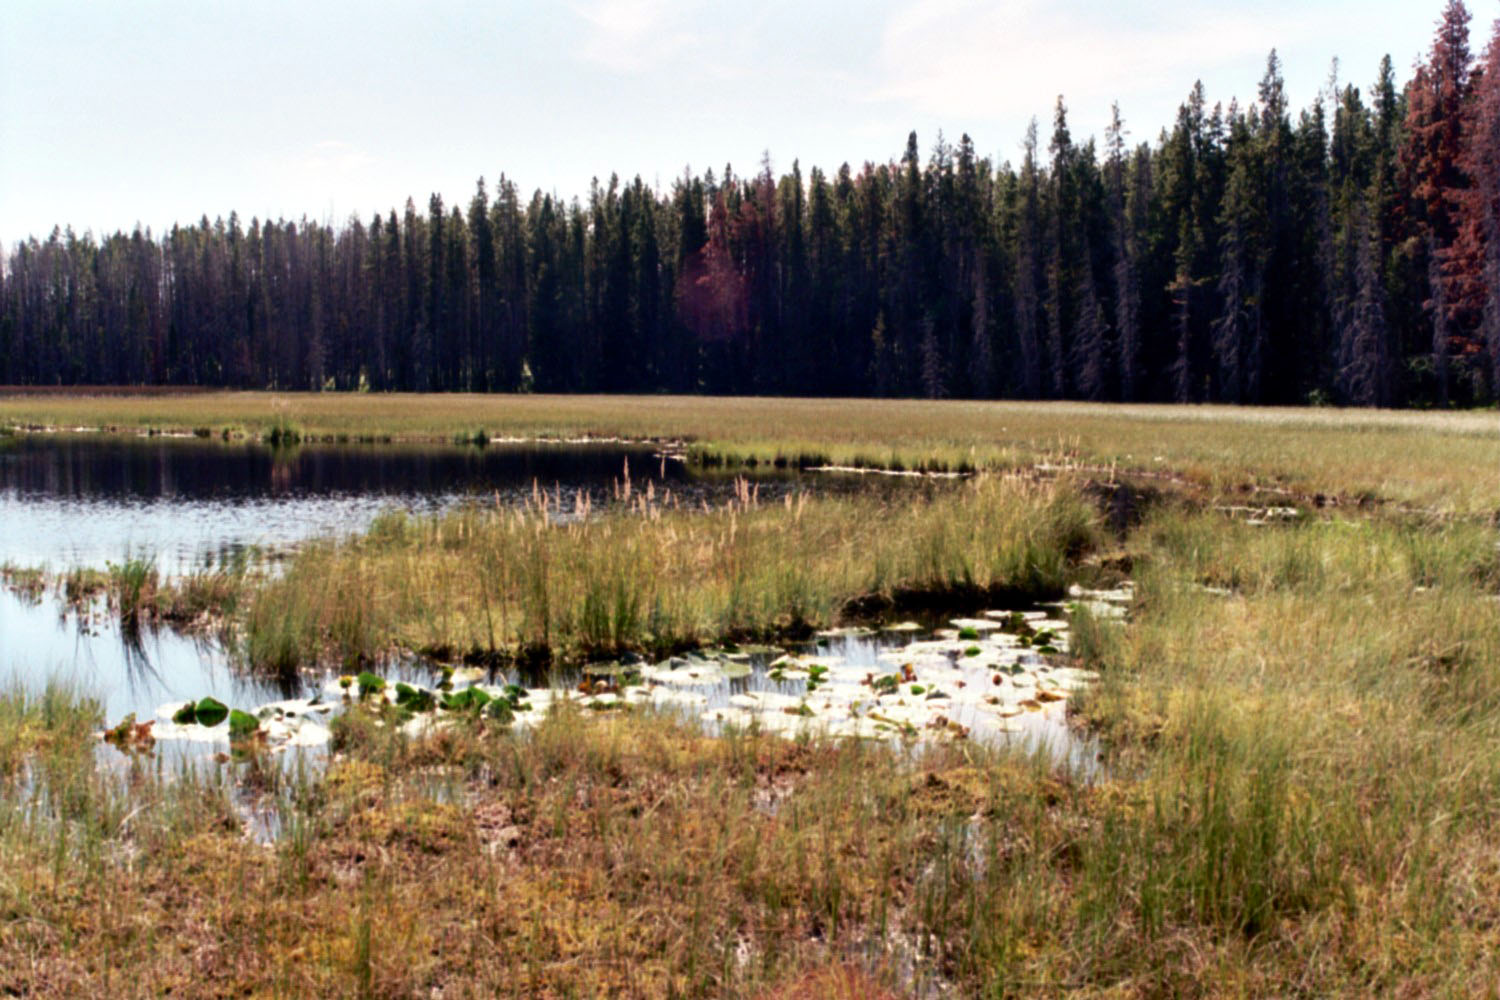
[242,726]
[468,700]
[210,712]
[413,698]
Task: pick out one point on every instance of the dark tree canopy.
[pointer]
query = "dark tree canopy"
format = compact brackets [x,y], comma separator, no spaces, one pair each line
[1349,252]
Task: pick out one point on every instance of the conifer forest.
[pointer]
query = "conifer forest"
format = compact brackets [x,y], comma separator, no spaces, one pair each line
[1346,252]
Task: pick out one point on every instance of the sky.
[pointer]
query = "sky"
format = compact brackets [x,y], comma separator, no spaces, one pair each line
[114,114]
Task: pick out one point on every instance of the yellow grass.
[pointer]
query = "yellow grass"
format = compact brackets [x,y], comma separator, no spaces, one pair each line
[1446,460]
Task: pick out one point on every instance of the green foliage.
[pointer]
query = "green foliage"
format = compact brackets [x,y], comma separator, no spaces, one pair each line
[1187,270]
[210,712]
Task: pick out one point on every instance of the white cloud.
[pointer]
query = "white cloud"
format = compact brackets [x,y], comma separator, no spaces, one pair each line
[629,36]
[1001,61]
[334,158]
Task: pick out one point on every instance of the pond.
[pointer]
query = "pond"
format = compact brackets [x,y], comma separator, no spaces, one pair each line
[69,500]
[87,500]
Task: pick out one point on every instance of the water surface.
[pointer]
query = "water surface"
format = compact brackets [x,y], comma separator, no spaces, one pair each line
[70,500]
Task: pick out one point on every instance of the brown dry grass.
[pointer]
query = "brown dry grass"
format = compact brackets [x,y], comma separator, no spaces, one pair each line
[1448,460]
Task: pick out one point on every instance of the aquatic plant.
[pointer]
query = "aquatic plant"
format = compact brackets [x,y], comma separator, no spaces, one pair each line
[133,583]
[654,579]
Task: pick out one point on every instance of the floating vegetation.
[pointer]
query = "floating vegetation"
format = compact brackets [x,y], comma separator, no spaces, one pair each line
[927,688]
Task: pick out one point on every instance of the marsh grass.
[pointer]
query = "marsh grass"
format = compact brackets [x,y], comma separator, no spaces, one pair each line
[1299,726]
[624,857]
[51,722]
[132,585]
[1312,710]
[657,578]
[1445,460]
[26,582]
[1300,729]
[137,594]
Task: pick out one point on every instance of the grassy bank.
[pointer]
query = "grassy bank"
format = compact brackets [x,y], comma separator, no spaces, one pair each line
[1444,460]
[1300,728]
[535,584]
[1300,731]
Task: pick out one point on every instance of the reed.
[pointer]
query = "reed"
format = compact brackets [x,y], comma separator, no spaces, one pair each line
[1297,732]
[658,576]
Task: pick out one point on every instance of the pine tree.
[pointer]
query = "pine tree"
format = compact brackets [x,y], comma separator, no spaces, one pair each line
[1441,334]
[1435,178]
[1477,243]
[1028,272]
[1062,254]
[1123,244]
[1365,345]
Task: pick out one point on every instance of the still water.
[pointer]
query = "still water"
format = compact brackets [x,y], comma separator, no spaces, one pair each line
[87,500]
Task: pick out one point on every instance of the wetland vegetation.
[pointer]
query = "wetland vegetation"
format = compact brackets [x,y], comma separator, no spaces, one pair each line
[1289,787]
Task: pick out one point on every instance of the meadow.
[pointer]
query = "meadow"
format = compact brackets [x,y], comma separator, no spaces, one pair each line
[1298,729]
[1448,461]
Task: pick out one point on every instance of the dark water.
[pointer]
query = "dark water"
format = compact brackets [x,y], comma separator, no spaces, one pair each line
[86,500]
[39,641]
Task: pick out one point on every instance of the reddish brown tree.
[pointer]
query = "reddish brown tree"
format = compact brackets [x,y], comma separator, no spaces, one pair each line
[1475,256]
[1437,110]
[1435,118]
[711,292]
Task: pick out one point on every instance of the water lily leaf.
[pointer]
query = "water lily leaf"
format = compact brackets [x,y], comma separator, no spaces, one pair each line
[413,698]
[469,699]
[242,725]
[210,712]
[370,684]
[186,715]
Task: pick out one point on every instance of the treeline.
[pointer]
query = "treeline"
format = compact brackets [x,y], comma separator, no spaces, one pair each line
[1350,254]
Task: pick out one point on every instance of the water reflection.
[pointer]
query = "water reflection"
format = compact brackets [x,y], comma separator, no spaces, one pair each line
[71,500]
[128,671]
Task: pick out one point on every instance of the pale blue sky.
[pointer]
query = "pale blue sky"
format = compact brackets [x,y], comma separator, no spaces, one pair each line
[113,113]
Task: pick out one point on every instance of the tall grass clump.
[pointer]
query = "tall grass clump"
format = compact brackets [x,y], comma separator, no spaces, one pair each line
[133,584]
[55,718]
[657,577]
[1307,714]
